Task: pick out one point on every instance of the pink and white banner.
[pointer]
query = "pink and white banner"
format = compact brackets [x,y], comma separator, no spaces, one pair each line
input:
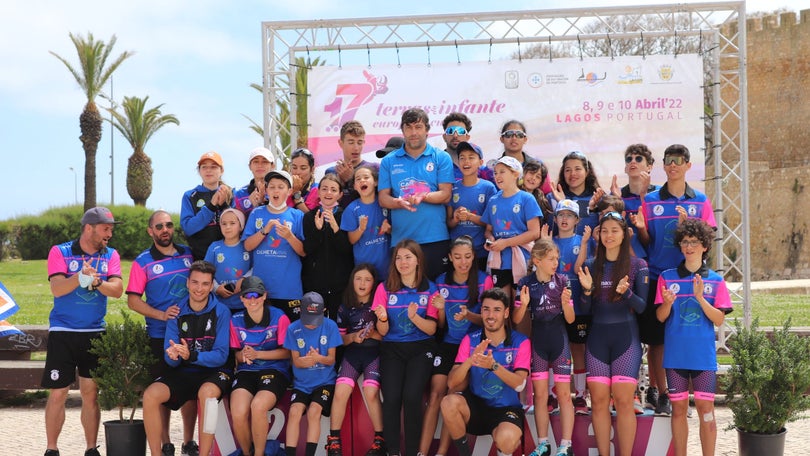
[596,105]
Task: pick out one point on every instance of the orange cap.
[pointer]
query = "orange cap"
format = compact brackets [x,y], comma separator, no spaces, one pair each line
[213,156]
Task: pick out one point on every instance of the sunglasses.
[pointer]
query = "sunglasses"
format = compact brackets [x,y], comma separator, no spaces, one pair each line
[612,215]
[690,243]
[575,154]
[302,151]
[676,159]
[508,134]
[168,225]
[631,158]
[251,295]
[455,130]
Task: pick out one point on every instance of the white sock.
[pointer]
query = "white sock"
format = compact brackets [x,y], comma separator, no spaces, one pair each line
[579,383]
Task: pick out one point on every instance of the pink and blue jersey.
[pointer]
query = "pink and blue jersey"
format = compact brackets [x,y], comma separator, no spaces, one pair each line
[162,279]
[266,335]
[689,334]
[661,216]
[456,295]
[300,339]
[509,217]
[400,327]
[405,176]
[232,263]
[514,354]
[81,310]
[373,247]
[632,204]
[474,198]
[274,260]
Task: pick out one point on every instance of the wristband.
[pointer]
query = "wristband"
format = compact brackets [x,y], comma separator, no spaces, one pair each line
[382,321]
[494,367]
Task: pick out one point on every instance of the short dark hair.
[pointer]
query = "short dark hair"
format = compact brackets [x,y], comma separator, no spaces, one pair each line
[155,214]
[414,115]
[457,117]
[202,266]
[497,294]
[698,229]
[640,149]
[677,149]
[609,200]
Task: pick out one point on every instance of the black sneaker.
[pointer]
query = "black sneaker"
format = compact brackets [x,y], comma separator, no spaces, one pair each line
[92,452]
[664,406]
[51,452]
[651,398]
[333,447]
[378,447]
[167,449]
[190,449]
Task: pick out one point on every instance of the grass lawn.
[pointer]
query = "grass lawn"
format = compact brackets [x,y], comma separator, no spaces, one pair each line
[27,281]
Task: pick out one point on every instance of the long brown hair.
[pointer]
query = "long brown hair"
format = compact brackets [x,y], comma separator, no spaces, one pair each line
[350,297]
[472,275]
[621,266]
[394,280]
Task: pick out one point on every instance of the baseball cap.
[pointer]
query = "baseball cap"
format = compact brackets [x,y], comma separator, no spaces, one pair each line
[512,163]
[98,214]
[394,143]
[252,284]
[312,309]
[464,145]
[279,173]
[567,205]
[211,155]
[261,152]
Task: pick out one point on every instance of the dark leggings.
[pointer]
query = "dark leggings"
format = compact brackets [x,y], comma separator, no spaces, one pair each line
[405,368]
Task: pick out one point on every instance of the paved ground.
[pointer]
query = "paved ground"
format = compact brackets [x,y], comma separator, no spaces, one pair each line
[24,432]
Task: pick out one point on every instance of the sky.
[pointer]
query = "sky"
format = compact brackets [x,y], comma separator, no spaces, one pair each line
[197,58]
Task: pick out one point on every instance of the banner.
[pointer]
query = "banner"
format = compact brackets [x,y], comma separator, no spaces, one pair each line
[597,106]
[8,307]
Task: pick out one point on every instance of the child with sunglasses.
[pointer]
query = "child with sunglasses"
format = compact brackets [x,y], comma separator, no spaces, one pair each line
[659,217]
[577,181]
[638,161]
[304,196]
[230,258]
[457,127]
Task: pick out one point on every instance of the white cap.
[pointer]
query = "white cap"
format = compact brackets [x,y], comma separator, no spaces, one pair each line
[261,152]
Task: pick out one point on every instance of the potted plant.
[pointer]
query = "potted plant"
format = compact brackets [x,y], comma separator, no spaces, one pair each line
[766,386]
[124,360]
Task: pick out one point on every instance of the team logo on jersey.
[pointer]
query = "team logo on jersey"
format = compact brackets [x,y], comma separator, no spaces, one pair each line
[691,210]
[675,288]
[437,361]
[157,269]
[508,357]
[323,339]
[494,209]
[245,256]
[220,257]
[242,335]
[288,224]
[73,266]
[516,208]
[184,326]
[259,223]
[269,334]
[104,267]
[658,209]
[481,197]
[300,342]
[423,300]
[392,299]
[707,288]
[187,262]
[55,374]
[455,197]
[200,203]
[552,285]
[444,292]
[246,203]
[208,325]
[429,167]
[385,212]
[575,250]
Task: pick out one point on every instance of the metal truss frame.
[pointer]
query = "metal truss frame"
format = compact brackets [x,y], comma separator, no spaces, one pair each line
[283,42]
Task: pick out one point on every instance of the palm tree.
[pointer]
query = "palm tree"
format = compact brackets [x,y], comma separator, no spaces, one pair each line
[91,75]
[137,126]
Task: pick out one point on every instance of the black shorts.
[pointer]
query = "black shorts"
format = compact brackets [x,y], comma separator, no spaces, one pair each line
[266,380]
[484,418]
[291,307]
[321,395]
[184,385]
[502,278]
[579,329]
[160,367]
[650,330]
[445,358]
[67,351]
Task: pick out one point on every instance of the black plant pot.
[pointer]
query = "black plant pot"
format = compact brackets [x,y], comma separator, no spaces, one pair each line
[750,444]
[124,438]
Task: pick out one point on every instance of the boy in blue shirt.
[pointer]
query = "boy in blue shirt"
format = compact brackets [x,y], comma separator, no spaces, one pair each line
[312,341]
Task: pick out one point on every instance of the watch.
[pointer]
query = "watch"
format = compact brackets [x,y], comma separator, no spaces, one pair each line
[296,196]
[494,367]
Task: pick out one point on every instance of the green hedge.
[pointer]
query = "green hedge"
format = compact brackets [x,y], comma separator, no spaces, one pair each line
[31,237]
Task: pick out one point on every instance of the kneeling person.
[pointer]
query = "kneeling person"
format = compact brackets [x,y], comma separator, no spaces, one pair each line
[491,369]
[196,348]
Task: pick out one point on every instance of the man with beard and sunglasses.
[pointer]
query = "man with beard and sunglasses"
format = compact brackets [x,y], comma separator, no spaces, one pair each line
[161,272]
